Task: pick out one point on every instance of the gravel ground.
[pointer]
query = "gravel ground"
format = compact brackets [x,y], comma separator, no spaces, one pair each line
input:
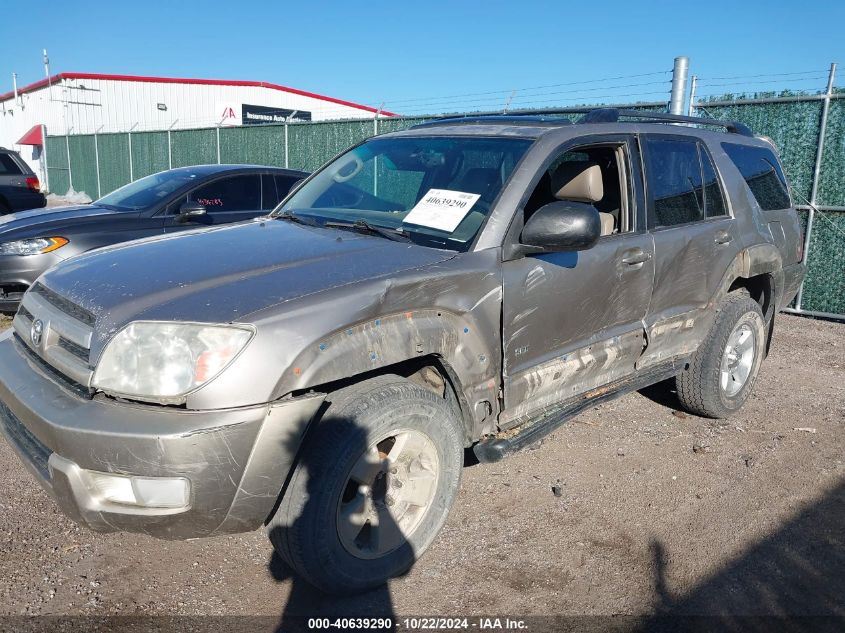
[632,508]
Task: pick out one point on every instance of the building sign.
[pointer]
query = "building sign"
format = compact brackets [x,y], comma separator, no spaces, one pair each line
[227,113]
[256,114]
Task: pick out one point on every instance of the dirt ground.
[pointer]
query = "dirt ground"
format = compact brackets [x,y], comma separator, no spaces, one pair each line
[658,513]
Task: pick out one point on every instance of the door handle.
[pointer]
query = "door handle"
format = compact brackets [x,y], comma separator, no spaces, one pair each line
[723,237]
[637,256]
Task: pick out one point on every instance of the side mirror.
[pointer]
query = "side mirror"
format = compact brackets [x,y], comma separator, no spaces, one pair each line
[191,210]
[562,226]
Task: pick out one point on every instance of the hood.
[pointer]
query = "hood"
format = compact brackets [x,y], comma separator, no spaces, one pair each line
[39,222]
[224,274]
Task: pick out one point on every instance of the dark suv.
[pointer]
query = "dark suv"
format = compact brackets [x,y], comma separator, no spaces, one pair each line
[465,283]
[19,186]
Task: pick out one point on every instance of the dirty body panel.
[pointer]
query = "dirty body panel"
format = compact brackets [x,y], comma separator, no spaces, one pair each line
[235,459]
[514,332]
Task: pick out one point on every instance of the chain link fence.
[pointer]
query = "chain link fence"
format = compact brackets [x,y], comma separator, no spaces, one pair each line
[98,164]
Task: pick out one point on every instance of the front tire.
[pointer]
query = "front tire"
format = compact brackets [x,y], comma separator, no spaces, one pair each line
[373,486]
[721,373]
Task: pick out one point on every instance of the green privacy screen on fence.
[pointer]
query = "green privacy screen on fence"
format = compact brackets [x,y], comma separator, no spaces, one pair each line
[792,125]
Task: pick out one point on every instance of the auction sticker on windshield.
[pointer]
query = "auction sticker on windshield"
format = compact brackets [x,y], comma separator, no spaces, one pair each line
[441,209]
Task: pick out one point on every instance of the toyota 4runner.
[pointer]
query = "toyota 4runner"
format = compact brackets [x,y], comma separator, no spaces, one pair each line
[469,282]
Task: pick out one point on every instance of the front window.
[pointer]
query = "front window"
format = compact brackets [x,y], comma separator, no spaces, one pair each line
[436,191]
[146,192]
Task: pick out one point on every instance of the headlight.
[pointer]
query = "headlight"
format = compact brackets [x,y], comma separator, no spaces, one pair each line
[34,246]
[163,362]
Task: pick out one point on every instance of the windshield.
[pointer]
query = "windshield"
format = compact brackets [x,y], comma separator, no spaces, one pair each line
[436,191]
[147,191]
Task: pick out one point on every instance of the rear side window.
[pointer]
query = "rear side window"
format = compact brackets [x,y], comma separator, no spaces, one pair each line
[236,193]
[761,170]
[8,166]
[674,182]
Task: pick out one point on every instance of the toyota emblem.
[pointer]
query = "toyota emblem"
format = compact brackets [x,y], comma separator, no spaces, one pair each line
[37,332]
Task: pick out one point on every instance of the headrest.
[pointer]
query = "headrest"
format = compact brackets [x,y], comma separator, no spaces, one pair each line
[578,181]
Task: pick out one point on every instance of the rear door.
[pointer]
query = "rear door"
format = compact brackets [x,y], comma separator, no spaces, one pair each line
[695,240]
[229,199]
[572,321]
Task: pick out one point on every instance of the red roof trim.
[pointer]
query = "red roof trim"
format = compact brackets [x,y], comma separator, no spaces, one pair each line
[177,80]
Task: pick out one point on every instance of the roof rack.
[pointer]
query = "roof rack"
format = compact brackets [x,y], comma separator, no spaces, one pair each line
[552,118]
[611,115]
[529,119]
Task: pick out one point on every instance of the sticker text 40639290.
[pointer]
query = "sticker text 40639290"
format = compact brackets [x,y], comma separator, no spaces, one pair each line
[442,209]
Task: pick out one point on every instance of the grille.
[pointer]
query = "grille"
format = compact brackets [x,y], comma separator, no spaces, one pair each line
[51,372]
[77,350]
[62,339]
[66,306]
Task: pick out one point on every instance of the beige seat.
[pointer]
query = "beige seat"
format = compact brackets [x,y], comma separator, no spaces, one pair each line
[582,182]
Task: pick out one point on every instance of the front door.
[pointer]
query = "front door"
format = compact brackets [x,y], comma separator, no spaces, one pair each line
[573,321]
[226,200]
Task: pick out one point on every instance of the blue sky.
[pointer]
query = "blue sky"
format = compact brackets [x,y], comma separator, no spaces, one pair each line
[416,56]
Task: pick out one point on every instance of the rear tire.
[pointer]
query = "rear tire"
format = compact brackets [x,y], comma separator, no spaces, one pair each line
[719,377]
[374,484]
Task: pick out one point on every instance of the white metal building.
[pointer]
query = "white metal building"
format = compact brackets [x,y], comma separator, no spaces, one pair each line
[84,103]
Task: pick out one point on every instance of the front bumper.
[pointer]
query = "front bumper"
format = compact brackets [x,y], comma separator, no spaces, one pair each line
[236,459]
[21,271]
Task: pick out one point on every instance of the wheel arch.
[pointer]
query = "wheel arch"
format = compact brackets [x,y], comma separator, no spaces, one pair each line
[453,344]
[759,270]
[430,371]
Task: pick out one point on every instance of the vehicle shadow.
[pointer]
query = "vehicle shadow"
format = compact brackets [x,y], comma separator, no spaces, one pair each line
[306,602]
[663,393]
[792,580]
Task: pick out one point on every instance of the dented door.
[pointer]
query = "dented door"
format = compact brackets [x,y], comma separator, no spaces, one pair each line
[572,322]
[695,242]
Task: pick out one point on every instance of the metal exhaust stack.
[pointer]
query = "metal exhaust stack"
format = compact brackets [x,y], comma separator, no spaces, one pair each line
[679,85]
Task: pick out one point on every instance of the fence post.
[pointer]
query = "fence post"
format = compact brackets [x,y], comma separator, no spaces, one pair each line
[46,161]
[218,142]
[131,168]
[679,85]
[814,189]
[67,149]
[287,161]
[169,146]
[692,86]
[97,160]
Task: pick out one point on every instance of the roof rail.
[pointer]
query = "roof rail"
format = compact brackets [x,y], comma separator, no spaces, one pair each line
[611,115]
[530,119]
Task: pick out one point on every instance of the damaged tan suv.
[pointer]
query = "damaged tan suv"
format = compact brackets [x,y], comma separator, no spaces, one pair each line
[470,282]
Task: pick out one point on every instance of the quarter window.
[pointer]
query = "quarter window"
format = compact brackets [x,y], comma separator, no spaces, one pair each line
[674,182]
[763,174]
[284,185]
[269,195]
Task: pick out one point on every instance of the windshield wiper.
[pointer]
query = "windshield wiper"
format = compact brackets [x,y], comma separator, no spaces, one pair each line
[292,217]
[362,226]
